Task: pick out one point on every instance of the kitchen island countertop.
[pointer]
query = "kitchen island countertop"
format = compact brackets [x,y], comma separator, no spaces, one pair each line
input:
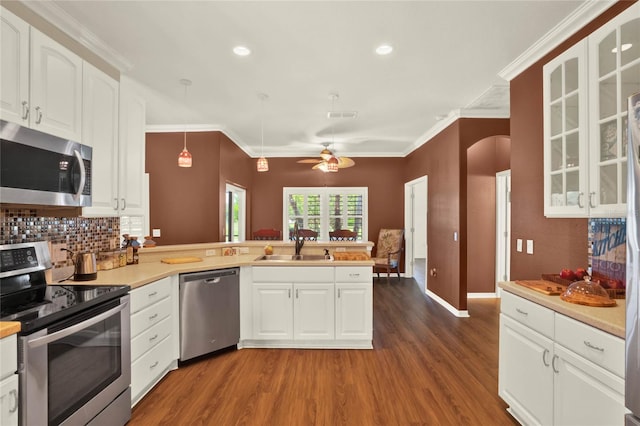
[609,319]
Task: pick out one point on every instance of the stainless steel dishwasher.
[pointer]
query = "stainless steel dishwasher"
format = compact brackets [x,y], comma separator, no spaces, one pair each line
[209,311]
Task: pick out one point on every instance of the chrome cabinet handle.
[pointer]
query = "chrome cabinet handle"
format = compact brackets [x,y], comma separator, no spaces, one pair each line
[594,347]
[591,195]
[152,317]
[518,310]
[25,110]
[14,394]
[339,293]
[115,207]
[38,115]
[151,339]
[153,293]
[354,275]
[289,293]
[580,197]
[297,294]
[553,364]
[124,204]
[154,365]
[544,357]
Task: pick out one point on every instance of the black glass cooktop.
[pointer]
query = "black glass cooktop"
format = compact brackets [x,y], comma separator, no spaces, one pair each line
[59,302]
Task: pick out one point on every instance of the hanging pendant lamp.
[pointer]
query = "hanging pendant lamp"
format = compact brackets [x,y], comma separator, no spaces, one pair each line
[185,159]
[263,164]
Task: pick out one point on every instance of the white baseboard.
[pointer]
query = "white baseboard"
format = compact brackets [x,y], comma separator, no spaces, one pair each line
[482,296]
[447,305]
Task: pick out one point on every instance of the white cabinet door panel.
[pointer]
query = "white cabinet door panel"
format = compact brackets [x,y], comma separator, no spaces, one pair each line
[272,311]
[313,311]
[14,91]
[354,311]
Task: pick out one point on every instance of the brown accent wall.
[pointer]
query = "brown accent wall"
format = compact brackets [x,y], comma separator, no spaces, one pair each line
[484,160]
[184,203]
[558,243]
[444,160]
[235,168]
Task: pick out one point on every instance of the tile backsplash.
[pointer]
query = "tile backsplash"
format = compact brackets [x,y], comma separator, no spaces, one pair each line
[80,234]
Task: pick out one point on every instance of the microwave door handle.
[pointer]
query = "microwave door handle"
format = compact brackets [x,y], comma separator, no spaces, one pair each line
[83,174]
[75,328]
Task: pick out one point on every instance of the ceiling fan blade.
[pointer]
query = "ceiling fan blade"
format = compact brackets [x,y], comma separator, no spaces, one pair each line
[309,161]
[320,166]
[344,162]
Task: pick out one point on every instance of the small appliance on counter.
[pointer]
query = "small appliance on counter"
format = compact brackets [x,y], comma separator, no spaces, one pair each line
[84,266]
[66,329]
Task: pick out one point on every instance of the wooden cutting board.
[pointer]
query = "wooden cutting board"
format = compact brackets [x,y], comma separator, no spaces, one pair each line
[174,260]
[543,286]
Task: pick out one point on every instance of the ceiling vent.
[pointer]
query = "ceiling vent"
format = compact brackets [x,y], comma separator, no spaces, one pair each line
[342,114]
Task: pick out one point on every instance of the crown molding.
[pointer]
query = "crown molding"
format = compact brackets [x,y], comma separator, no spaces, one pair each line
[53,13]
[584,14]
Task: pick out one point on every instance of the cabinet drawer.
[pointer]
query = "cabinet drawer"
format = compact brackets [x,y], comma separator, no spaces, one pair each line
[149,294]
[8,355]
[289,274]
[152,315]
[149,338]
[603,349]
[528,313]
[354,274]
[149,367]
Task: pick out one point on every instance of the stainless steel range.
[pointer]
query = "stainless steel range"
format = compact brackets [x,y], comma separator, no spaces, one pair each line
[74,359]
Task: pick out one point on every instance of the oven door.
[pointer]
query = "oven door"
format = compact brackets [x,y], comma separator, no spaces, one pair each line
[73,370]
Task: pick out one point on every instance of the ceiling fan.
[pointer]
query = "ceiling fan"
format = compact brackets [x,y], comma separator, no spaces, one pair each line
[327,161]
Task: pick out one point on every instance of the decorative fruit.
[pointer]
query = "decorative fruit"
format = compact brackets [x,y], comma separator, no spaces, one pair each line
[581,273]
[268,249]
[567,274]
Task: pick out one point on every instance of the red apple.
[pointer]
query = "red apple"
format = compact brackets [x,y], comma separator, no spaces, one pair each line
[581,273]
[567,274]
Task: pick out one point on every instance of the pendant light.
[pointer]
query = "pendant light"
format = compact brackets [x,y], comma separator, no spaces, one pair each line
[263,164]
[185,159]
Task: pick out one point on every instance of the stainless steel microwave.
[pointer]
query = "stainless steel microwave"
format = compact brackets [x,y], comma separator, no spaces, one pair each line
[42,169]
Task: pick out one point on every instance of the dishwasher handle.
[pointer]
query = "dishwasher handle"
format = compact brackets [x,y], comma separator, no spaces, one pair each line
[209,277]
[215,280]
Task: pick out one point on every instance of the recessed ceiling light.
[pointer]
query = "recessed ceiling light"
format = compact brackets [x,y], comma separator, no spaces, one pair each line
[625,46]
[384,49]
[242,51]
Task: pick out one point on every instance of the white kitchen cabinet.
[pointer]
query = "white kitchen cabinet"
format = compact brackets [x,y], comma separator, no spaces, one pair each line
[313,311]
[585,120]
[41,81]
[565,133]
[131,199]
[9,381]
[354,303]
[570,375]
[14,93]
[614,75]
[309,307]
[154,334]
[100,108]
[272,311]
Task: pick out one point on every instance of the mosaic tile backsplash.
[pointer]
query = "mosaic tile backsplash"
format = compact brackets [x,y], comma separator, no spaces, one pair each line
[80,234]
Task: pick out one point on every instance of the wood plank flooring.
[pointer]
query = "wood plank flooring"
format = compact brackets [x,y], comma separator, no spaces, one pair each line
[427,368]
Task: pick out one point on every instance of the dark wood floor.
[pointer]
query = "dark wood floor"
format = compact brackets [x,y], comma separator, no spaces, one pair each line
[427,368]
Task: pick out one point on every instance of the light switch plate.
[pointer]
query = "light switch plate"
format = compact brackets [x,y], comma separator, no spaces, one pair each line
[529,246]
[519,245]
[156,232]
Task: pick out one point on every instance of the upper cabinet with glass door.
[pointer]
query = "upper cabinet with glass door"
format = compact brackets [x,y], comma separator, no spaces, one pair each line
[565,136]
[614,66]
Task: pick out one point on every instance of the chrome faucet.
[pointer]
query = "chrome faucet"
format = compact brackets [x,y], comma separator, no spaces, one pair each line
[298,238]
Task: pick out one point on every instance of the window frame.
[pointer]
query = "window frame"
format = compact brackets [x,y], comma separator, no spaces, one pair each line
[324,192]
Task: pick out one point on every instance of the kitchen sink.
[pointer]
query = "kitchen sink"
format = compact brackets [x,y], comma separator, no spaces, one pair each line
[290,257]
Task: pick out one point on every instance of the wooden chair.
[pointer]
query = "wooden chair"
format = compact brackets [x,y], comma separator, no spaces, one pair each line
[388,250]
[343,235]
[306,234]
[267,234]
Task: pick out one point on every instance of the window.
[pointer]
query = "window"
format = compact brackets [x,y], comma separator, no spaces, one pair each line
[326,209]
[234,213]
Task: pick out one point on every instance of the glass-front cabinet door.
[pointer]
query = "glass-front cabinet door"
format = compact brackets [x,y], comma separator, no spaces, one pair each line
[565,140]
[614,75]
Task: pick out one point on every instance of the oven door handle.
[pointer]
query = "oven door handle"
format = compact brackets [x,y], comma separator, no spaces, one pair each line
[77,327]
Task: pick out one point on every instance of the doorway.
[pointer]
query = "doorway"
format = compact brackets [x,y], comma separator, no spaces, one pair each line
[415,225]
[235,213]
[503,227]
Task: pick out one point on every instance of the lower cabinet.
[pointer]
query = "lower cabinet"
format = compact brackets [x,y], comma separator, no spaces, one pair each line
[574,376]
[154,334]
[310,307]
[8,381]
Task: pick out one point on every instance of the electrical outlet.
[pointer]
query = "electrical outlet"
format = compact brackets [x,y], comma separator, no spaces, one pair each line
[59,253]
[211,252]
[244,250]
[519,245]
